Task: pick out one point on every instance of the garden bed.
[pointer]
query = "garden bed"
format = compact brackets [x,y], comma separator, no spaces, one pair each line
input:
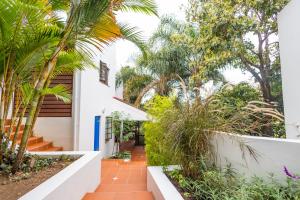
[170,184]
[13,187]
[160,185]
[69,183]
[216,184]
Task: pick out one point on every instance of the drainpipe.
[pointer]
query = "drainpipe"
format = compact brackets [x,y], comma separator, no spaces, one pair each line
[121,131]
[76,110]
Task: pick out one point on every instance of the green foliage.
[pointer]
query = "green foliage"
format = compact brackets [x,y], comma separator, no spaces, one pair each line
[122,155]
[240,34]
[133,82]
[128,127]
[181,132]
[158,152]
[238,96]
[215,185]
[31,163]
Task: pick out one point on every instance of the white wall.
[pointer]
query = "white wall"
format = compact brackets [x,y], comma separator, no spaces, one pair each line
[73,182]
[272,155]
[93,98]
[59,130]
[289,38]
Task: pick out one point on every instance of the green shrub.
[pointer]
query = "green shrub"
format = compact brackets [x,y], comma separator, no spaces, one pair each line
[216,185]
[122,155]
[157,149]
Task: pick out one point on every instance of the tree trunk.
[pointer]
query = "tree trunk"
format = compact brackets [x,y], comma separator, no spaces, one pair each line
[144,91]
[33,109]
[40,103]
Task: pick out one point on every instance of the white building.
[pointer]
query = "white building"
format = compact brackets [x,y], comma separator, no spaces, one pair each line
[289,38]
[94,99]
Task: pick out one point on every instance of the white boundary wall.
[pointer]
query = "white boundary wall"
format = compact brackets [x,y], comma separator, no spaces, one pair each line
[272,155]
[73,182]
[160,185]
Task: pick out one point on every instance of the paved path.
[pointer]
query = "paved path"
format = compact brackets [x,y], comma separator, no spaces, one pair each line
[123,180]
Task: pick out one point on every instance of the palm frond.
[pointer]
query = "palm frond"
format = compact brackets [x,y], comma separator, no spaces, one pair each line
[27,92]
[70,61]
[133,35]
[59,91]
[148,7]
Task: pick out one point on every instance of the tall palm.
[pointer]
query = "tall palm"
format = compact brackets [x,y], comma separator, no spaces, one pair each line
[171,64]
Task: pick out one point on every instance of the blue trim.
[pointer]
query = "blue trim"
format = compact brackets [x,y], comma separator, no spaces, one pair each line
[97,133]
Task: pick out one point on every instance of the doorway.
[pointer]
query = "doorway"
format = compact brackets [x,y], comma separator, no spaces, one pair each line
[97,133]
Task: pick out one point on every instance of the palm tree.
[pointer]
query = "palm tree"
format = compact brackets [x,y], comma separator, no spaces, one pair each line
[170,64]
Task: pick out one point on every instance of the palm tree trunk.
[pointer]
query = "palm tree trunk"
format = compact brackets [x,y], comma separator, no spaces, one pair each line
[39,106]
[144,91]
[33,108]
[14,140]
[46,73]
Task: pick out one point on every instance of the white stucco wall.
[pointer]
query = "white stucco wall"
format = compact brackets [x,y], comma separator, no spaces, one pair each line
[93,98]
[272,155]
[73,182]
[289,38]
[59,130]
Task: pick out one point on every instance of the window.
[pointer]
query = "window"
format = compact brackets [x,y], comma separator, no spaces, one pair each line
[104,73]
[108,128]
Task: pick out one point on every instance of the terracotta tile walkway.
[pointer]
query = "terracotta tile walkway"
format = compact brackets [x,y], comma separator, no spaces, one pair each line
[123,180]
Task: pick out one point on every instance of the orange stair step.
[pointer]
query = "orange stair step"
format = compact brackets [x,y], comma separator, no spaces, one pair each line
[39,146]
[139,195]
[121,188]
[54,149]
[32,140]
[19,135]
[14,127]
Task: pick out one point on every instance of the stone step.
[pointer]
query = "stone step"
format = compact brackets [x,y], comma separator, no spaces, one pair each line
[138,195]
[121,187]
[41,146]
[19,135]
[8,122]
[35,143]
[14,127]
[32,140]
[54,149]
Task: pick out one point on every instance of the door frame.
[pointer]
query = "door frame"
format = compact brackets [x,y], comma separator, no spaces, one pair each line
[97,131]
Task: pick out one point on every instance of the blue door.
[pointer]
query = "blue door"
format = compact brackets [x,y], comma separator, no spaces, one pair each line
[97,133]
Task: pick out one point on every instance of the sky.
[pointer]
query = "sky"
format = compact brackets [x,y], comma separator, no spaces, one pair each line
[126,51]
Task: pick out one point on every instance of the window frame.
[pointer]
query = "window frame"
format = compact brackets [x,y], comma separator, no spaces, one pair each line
[108,128]
[103,73]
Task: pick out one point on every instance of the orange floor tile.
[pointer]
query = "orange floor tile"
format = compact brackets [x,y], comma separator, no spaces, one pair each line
[123,180]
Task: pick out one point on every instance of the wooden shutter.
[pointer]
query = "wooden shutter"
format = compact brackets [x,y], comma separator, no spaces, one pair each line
[104,70]
[56,108]
[52,107]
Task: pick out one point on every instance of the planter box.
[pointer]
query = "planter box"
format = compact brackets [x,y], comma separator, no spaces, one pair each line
[160,185]
[73,182]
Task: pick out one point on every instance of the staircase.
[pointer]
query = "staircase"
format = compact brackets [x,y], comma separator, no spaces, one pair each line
[123,180]
[35,143]
[120,192]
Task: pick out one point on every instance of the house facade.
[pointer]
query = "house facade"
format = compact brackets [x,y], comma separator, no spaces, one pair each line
[86,123]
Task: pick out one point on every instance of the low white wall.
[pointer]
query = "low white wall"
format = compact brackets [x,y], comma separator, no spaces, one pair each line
[272,155]
[73,182]
[58,130]
[160,185]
